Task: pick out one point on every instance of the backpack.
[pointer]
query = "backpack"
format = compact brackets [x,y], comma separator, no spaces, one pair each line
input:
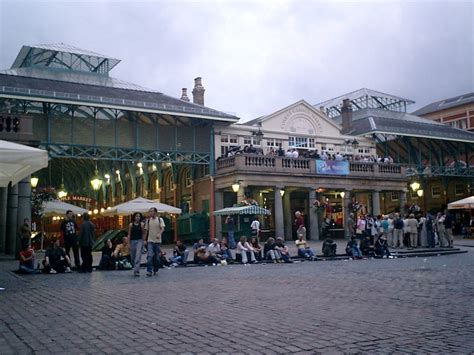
[399,224]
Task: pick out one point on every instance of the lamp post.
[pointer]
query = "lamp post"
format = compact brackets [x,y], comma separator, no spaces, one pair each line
[236,186]
[34,182]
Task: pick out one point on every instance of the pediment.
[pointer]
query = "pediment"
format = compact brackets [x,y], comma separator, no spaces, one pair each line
[300,119]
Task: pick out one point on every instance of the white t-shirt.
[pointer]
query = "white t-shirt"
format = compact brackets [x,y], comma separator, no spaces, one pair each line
[155,227]
[255,225]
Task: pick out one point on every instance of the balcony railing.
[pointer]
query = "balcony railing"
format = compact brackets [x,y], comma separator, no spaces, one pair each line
[283,165]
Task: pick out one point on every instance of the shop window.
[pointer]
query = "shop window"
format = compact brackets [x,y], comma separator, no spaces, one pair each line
[435,191]
[459,189]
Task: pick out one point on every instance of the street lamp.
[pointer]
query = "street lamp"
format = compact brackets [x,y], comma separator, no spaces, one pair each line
[96,181]
[62,192]
[34,182]
[236,186]
[415,185]
[420,193]
[282,192]
[342,194]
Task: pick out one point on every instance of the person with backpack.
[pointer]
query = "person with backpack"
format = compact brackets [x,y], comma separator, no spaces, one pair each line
[154,228]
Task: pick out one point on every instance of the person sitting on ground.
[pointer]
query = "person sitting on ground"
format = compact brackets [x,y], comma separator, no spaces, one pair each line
[257,248]
[106,261]
[214,249]
[180,253]
[121,255]
[381,247]
[353,249]
[269,251]
[163,262]
[366,247]
[304,251]
[245,250]
[25,234]
[283,249]
[202,256]
[199,244]
[27,260]
[56,259]
[226,250]
[329,248]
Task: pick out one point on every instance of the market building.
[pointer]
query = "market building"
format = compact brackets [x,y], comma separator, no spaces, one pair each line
[128,140]
[376,151]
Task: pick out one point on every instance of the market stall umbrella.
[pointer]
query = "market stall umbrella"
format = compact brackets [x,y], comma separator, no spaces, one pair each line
[142,205]
[58,207]
[17,161]
[252,209]
[465,203]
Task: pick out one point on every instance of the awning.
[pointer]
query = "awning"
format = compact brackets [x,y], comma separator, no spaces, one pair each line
[18,161]
[255,210]
[465,203]
[58,207]
[142,205]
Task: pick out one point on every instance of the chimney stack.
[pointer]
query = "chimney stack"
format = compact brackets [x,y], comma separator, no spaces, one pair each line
[346,113]
[198,92]
[184,95]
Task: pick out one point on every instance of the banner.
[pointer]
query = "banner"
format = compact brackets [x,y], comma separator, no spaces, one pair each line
[332,167]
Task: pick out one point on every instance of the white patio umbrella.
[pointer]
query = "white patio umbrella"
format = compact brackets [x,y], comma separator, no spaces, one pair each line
[17,161]
[465,203]
[142,205]
[58,207]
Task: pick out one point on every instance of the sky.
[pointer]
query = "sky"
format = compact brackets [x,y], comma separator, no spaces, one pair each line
[257,57]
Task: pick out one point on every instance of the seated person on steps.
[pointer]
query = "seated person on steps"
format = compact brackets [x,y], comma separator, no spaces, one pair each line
[106,261]
[202,256]
[381,247]
[245,250]
[353,249]
[27,260]
[283,249]
[304,251]
[56,260]
[180,253]
[269,251]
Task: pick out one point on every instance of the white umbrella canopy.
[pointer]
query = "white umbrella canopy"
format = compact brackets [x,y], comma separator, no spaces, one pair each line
[17,161]
[142,205]
[466,203]
[57,207]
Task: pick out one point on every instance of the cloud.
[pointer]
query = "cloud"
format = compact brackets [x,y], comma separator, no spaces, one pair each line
[256,57]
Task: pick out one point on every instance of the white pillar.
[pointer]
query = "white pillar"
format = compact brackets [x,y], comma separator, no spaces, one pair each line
[219,204]
[347,211]
[313,218]
[375,203]
[279,221]
[12,218]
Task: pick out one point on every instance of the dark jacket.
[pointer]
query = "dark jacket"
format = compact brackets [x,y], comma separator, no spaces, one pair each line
[87,234]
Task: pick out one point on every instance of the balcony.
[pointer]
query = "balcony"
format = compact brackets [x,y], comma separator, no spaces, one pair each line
[259,164]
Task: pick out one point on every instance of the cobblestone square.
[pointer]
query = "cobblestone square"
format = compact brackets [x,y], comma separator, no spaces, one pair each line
[412,305]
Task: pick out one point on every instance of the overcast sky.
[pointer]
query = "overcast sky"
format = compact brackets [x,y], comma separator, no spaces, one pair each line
[256,57]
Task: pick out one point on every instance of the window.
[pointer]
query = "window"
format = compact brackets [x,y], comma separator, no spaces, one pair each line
[394,196]
[187,178]
[272,142]
[301,142]
[252,140]
[462,124]
[364,150]
[413,195]
[436,191]
[226,138]
[327,147]
[459,189]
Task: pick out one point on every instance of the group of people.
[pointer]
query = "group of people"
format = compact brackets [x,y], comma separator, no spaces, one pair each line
[408,231]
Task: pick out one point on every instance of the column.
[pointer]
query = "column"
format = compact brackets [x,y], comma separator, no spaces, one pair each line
[12,218]
[288,217]
[241,193]
[279,222]
[219,201]
[403,201]
[347,211]
[3,217]
[375,203]
[313,218]
[24,204]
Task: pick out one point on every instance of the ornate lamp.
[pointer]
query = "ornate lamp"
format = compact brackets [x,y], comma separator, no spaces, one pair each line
[420,193]
[96,181]
[415,185]
[236,186]
[34,182]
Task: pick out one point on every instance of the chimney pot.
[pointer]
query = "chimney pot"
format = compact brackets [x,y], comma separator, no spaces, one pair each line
[346,113]
[184,95]
[198,91]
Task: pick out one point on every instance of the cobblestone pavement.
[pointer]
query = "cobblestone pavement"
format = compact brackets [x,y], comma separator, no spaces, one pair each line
[412,305]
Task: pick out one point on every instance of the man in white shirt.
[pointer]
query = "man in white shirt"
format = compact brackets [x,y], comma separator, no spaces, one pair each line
[255,226]
[155,227]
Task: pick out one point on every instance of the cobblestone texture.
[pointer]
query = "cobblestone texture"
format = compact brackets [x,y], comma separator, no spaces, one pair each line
[414,305]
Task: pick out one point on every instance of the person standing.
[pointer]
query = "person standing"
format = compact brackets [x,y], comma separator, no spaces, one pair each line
[398,231]
[86,241]
[229,221]
[442,237]
[412,227]
[135,238]
[350,225]
[300,228]
[448,227]
[69,231]
[255,227]
[154,227]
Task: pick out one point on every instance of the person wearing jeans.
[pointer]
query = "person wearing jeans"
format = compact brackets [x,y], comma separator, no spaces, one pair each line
[154,227]
[136,236]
